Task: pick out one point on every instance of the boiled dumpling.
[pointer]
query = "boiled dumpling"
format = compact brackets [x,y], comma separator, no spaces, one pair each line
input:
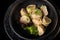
[46,21]
[40,30]
[31,8]
[24,19]
[37,21]
[34,16]
[23,12]
[44,10]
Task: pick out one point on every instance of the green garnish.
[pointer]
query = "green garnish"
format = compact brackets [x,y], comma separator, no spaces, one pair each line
[38,12]
[32,30]
[28,14]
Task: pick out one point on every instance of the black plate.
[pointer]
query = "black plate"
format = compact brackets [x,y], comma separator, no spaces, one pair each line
[15,27]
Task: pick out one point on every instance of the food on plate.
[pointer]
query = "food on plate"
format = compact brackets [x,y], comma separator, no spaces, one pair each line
[37,17]
[46,21]
[24,19]
[41,30]
[23,12]
[32,30]
[31,8]
[44,10]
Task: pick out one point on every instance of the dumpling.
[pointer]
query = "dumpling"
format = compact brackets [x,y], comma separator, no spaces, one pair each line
[31,8]
[46,21]
[23,12]
[24,19]
[34,16]
[44,10]
[37,21]
[40,30]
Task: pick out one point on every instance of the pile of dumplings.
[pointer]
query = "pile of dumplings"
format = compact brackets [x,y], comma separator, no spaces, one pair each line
[38,15]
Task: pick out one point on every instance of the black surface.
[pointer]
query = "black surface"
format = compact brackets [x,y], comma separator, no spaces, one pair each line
[4,5]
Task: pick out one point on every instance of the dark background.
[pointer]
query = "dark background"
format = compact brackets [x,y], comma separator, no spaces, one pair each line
[3,7]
